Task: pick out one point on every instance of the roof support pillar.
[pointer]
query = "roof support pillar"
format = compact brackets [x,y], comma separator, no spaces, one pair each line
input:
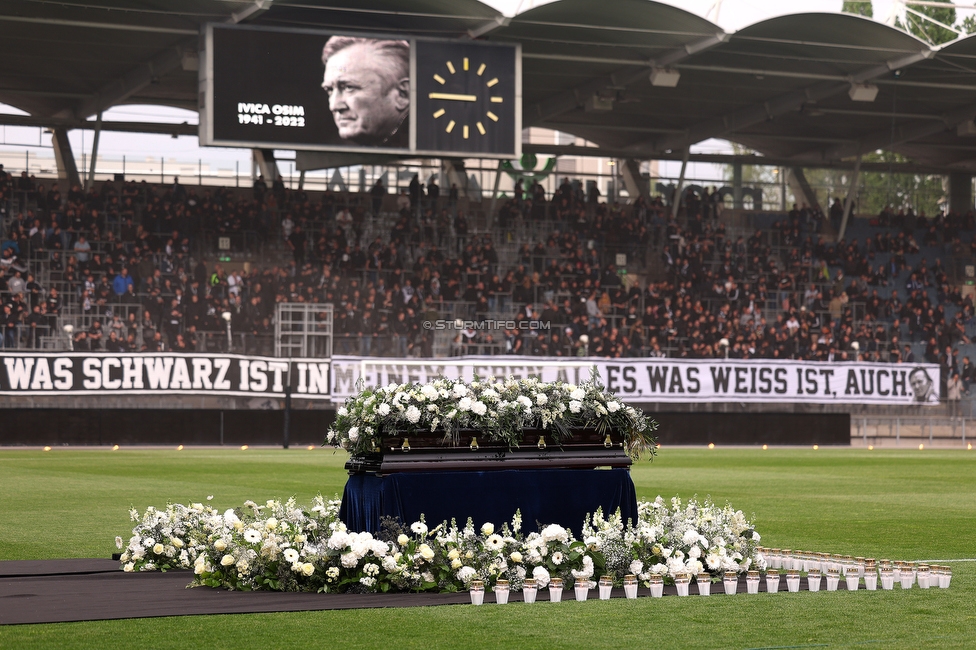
[849,201]
[737,185]
[490,217]
[801,188]
[676,202]
[960,192]
[67,168]
[90,179]
[265,161]
[633,181]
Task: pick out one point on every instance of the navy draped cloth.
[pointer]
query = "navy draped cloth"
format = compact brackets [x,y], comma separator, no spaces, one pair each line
[544,496]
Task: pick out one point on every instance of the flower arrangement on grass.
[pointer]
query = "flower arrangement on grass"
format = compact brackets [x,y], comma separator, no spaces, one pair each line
[285,547]
[498,410]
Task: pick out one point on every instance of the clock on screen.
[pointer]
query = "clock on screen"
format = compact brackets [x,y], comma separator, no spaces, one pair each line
[466,98]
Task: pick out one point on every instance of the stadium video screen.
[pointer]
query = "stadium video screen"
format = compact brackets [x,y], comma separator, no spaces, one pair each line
[302,89]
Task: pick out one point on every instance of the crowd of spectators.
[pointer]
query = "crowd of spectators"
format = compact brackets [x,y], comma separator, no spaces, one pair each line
[132,263]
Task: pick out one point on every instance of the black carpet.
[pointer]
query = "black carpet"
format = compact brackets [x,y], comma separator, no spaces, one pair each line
[59,591]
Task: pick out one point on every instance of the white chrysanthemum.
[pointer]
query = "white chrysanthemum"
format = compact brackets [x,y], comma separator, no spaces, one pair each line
[291,555]
[478,408]
[460,390]
[575,406]
[636,567]
[494,543]
[524,401]
[613,406]
[466,574]
[429,392]
[252,536]
[349,560]
[690,537]
[464,404]
[342,412]
[383,409]
[412,414]
[579,394]
[541,399]
[353,434]
[419,528]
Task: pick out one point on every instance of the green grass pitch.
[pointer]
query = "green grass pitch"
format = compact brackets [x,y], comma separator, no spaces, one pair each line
[902,505]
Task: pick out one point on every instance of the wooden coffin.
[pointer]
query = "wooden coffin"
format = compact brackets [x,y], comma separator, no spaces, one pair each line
[586,449]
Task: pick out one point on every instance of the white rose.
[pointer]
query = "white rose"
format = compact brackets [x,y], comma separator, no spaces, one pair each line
[403,540]
[342,412]
[426,552]
[227,560]
[613,406]
[220,545]
[129,567]
[516,557]
[157,549]
[488,529]
[308,569]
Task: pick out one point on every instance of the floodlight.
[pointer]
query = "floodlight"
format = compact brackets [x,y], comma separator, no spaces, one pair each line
[863,92]
[665,77]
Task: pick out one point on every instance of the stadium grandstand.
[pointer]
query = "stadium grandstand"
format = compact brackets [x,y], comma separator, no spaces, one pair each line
[410,261]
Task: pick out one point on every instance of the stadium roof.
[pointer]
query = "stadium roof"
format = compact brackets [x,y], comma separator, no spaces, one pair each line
[782,86]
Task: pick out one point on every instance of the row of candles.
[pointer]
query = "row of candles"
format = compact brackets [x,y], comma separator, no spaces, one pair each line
[791,563]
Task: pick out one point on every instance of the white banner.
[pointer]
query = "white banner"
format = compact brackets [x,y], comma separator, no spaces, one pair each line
[670,380]
[164,373]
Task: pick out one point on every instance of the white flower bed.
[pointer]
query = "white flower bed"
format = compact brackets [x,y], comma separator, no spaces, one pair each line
[285,547]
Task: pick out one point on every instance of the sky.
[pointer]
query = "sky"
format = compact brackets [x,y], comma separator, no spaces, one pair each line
[731,15]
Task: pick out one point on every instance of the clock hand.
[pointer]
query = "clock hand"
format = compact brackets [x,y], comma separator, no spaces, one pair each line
[453,97]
